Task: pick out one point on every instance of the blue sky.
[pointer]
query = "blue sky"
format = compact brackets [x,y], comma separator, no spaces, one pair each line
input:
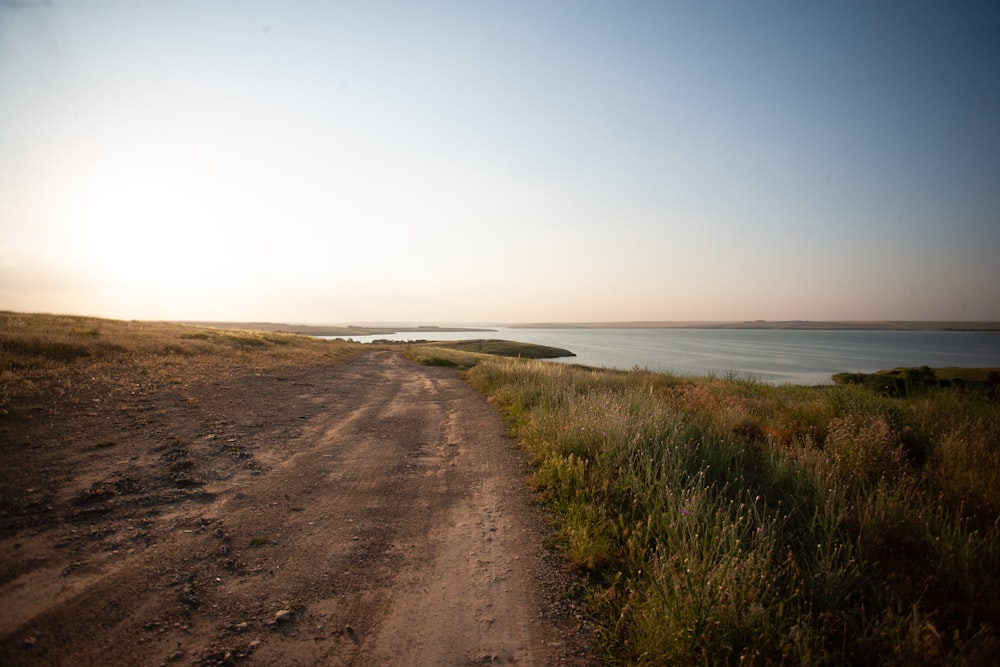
[509,162]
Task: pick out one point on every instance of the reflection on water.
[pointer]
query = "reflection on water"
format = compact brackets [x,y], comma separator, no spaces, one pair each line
[779,356]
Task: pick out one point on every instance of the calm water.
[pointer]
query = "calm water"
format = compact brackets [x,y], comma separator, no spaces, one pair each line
[798,357]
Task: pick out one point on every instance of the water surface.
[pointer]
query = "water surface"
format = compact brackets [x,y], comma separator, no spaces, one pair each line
[778,356]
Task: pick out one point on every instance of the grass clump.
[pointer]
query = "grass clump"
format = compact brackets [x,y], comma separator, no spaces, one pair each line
[724,521]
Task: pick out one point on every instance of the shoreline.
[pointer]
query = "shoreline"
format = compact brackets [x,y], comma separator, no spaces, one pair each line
[803,325]
[786,325]
[332,330]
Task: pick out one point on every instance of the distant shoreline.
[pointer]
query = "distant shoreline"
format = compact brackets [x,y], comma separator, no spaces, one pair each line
[314,330]
[836,325]
[790,325]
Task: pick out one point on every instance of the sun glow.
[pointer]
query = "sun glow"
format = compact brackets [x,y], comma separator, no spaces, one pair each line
[156,238]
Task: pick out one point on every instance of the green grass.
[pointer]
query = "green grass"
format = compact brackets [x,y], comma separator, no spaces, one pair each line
[464,354]
[724,521]
[431,355]
[969,374]
[903,381]
[505,348]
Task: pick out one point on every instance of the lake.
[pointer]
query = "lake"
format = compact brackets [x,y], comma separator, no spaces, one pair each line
[776,356]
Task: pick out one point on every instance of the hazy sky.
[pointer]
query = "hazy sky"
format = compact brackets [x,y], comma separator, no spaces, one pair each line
[515,161]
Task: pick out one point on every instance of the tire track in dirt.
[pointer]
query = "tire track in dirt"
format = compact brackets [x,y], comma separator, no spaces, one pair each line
[395,529]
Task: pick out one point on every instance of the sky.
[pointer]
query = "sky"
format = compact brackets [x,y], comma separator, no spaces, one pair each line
[486,161]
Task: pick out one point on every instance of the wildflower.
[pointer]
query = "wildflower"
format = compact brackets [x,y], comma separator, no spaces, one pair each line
[684,512]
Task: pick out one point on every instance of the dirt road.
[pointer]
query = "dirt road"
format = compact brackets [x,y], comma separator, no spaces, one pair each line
[370,512]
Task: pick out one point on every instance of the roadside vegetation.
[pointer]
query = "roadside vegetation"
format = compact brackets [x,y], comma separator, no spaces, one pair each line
[726,521]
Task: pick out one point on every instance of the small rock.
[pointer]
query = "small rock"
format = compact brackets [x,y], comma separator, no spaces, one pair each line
[283,616]
[29,641]
[241,627]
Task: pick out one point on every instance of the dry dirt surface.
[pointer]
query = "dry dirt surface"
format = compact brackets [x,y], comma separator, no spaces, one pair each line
[367,512]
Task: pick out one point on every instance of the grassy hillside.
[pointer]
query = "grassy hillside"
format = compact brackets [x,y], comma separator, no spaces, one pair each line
[39,349]
[722,521]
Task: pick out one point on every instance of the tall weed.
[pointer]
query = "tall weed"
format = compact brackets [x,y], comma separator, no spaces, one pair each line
[724,521]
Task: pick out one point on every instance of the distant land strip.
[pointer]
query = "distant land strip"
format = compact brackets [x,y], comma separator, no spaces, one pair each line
[505,348]
[776,324]
[313,330]
[832,325]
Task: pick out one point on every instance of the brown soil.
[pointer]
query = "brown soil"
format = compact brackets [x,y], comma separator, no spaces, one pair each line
[367,512]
